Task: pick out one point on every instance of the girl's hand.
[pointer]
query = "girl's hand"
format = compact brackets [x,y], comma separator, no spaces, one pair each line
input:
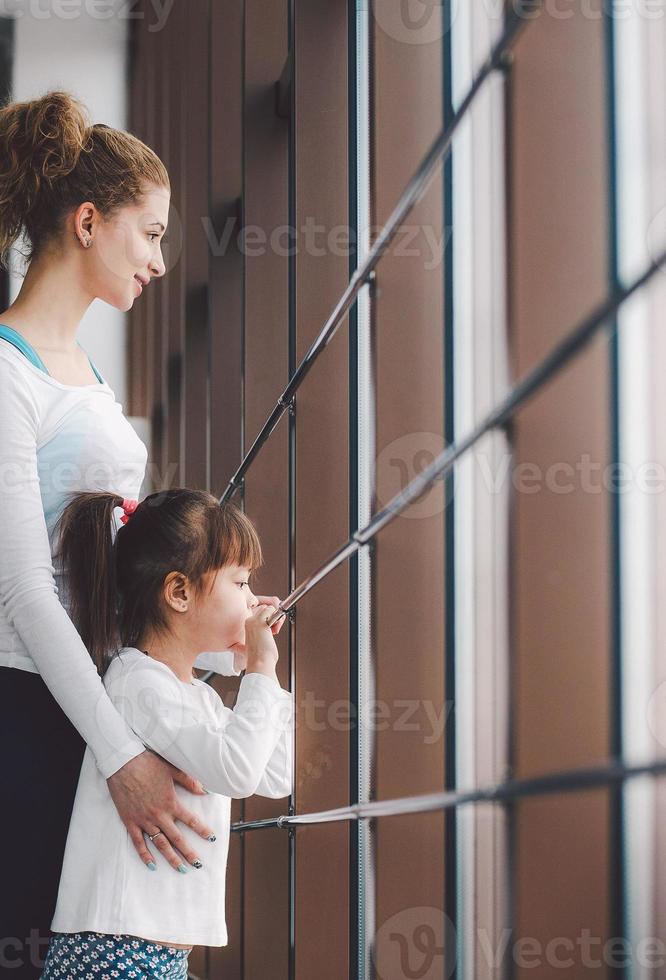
[272,600]
[240,649]
[145,798]
[259,639]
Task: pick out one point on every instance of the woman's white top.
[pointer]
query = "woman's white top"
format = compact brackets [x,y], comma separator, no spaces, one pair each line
[104,884]
[56,439]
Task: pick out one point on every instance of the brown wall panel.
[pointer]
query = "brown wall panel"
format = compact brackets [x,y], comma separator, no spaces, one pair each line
[137,346]
[322,523]
[226,259]
[409,560]
[158,307]
[561,542]
[266,366]
[196,135]
[562,886]
[169,110]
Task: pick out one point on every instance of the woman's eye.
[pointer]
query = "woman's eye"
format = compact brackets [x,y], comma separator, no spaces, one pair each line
[155,234]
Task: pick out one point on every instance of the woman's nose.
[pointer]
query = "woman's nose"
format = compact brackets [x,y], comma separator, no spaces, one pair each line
[157,267]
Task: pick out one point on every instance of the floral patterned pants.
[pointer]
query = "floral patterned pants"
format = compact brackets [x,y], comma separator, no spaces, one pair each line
[98,955]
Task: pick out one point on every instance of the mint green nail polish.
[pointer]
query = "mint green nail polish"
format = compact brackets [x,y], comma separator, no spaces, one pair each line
[182,868]
[151,865]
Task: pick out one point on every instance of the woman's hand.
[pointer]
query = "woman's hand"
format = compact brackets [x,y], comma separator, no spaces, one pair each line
[144,796]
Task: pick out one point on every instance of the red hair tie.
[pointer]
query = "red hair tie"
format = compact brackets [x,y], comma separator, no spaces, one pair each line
[129,506]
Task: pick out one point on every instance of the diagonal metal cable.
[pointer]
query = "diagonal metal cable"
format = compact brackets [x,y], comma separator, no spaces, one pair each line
[516,20]
[563,352]
[569,781]
[576,339]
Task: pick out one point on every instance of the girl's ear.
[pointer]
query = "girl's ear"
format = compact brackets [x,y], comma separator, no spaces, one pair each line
[177,589]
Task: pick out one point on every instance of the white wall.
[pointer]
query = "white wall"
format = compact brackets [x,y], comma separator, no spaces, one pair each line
[70,46]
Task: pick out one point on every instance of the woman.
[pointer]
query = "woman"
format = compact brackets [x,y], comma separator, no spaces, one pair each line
[92,203]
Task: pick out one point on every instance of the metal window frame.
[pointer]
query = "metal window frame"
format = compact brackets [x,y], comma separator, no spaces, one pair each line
[634,525]
[362,438]
[413,192]
[574,341]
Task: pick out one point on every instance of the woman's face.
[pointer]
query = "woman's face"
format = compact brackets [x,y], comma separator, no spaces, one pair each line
[219,618]
[128,248]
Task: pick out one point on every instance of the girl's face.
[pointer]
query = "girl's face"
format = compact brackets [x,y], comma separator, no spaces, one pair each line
[128,248]
[219,618]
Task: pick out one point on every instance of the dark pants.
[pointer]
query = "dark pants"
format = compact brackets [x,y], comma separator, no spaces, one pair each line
[40,759]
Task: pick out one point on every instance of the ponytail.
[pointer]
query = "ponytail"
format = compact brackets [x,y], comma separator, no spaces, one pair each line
[88,561]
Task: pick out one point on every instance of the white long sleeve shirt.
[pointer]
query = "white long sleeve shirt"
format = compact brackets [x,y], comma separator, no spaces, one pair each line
[56,439]
[104,884]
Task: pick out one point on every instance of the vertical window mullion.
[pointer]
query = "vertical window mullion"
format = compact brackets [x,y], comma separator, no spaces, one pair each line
[363,443]
[634,514]
[480,517]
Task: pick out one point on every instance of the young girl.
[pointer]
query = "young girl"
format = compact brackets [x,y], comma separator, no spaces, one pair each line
[171,583]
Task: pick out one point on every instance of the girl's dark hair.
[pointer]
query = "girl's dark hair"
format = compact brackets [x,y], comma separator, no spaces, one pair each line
[52,159]
[114,584]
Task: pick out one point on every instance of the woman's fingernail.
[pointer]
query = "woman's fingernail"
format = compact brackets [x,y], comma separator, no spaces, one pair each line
[151,865]
[206,790]
[212,837]
[182,869]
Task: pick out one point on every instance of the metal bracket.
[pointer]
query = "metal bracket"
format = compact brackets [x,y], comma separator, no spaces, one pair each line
[290,406]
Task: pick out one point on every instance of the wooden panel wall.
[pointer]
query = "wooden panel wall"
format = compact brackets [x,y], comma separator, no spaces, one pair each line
[184,356]
[561,540]
[409,574]
[322,478]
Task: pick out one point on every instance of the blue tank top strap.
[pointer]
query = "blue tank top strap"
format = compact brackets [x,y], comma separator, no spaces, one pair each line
[97,374]
[11,335]
[15,338]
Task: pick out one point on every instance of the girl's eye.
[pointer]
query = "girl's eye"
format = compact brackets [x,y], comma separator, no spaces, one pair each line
[243,583]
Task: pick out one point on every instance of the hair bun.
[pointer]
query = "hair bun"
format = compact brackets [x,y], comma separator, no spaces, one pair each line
[49,134]
[52,159]
[40,141]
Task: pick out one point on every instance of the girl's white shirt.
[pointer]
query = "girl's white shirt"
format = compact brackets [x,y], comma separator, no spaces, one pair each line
[56,439]
[104,885]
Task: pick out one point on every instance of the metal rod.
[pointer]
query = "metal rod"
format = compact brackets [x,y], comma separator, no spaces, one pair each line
[500,414]
[413,192]
[569,781]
